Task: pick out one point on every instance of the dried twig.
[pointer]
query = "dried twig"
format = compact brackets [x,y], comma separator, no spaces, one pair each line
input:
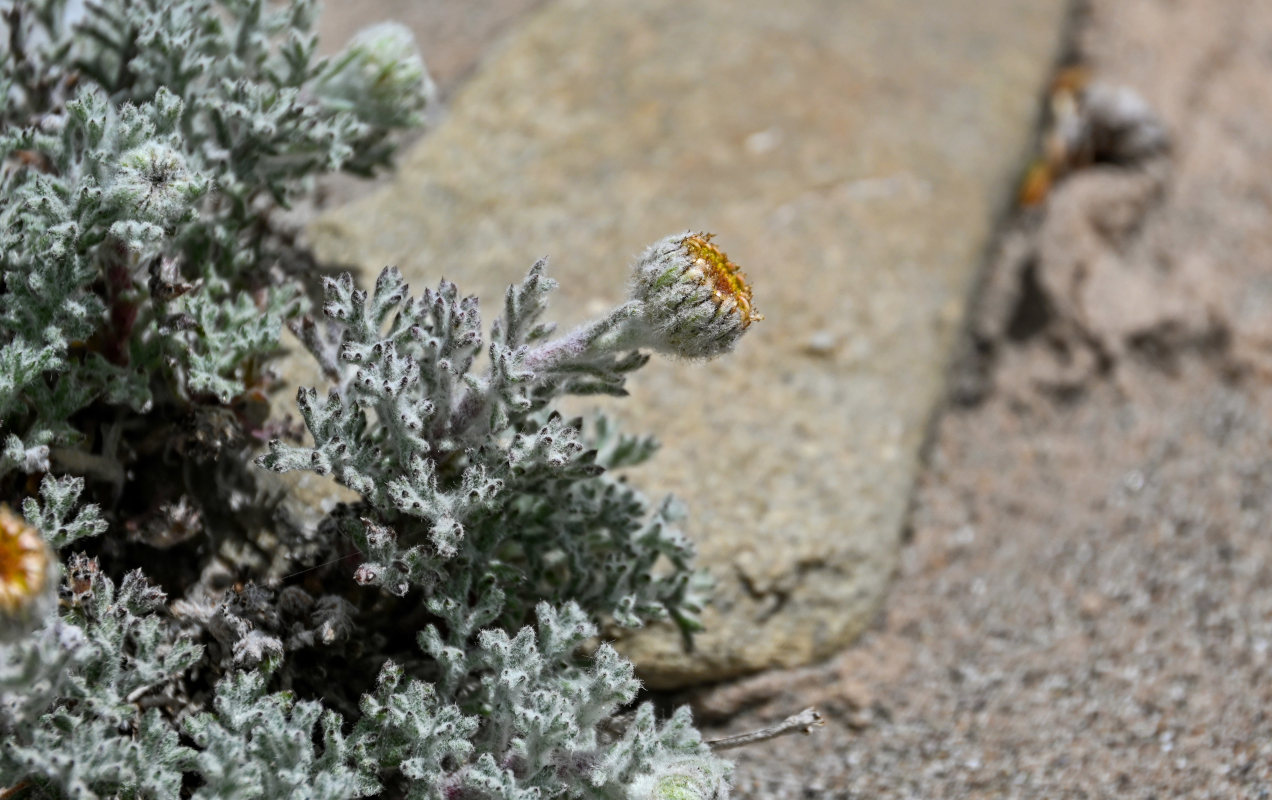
[803,722]
[13,790]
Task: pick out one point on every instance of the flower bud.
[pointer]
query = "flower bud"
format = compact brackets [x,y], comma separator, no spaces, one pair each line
[380,76]
[28,576]
[155,184]
[684,778]
[695,302]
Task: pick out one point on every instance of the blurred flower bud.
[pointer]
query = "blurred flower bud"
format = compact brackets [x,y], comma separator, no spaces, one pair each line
[379,76]
[28,577]
[686,778]
[696,303]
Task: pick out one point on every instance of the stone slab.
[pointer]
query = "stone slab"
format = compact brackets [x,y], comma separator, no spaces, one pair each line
[850,155]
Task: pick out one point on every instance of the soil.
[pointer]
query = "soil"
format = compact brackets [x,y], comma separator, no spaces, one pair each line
[1084,608]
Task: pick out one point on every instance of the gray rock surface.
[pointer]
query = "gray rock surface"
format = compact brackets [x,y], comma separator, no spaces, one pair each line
[850,156]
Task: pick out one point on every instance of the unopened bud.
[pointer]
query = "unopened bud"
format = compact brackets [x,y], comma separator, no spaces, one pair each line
[687,778]
[696,303]
[380,76]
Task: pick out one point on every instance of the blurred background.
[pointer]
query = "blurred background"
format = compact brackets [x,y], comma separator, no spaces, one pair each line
[991,484]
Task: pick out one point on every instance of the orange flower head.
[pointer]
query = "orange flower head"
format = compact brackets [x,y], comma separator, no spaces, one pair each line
[712,267]
[28,575]
[695,302]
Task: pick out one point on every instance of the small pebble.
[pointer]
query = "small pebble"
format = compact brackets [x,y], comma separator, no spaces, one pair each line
[821,343]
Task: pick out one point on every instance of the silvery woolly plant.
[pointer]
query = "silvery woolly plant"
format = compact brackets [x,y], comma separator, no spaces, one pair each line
[147,147]
[165,630]
[502,520]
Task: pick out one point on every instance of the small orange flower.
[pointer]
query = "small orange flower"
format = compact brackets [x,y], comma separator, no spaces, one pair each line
[28,570]
[712,267]
[693,301]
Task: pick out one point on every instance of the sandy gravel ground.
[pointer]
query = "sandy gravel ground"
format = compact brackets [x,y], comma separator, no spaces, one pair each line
[1085,606]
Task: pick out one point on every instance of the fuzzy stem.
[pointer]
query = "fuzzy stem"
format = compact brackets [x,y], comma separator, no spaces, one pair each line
[612,332]
[99,467]
[617,330]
